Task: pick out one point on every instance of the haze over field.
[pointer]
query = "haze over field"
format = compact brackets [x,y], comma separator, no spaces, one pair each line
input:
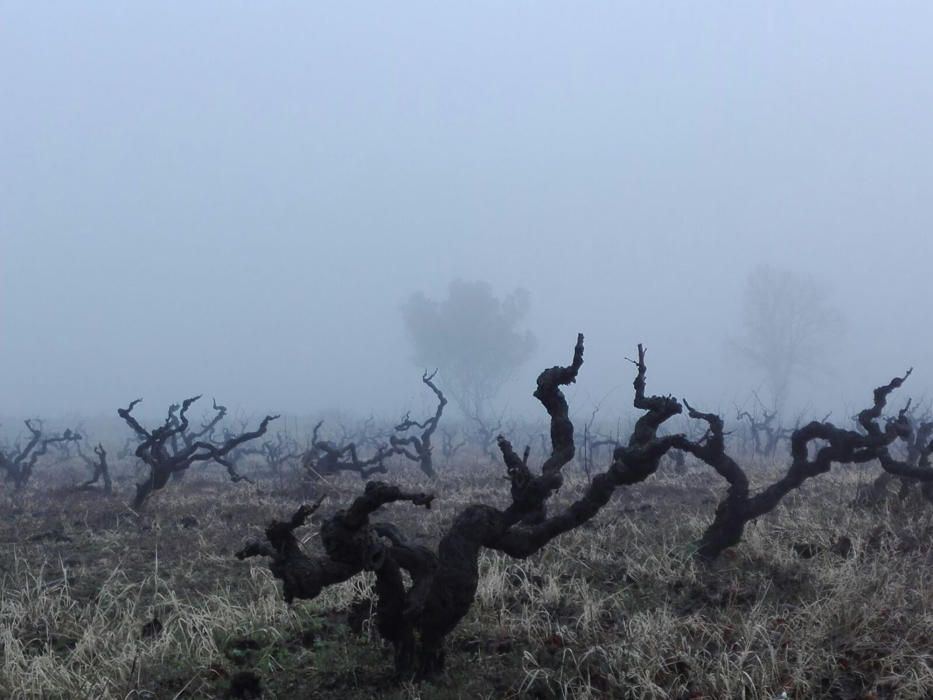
[237,199]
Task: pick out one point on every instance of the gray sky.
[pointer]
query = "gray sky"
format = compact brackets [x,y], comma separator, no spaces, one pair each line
[235,198]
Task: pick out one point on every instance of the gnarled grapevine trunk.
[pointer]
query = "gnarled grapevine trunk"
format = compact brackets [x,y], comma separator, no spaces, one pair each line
[417,620]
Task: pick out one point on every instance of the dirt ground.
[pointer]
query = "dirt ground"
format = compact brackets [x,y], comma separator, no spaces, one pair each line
[821,600]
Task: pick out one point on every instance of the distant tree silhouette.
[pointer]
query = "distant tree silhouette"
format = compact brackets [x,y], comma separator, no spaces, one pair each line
[473,336]
[788,327]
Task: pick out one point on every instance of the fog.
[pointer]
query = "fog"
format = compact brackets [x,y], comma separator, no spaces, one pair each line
[236,199]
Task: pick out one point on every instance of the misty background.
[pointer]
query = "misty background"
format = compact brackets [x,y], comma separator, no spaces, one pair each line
[237,199]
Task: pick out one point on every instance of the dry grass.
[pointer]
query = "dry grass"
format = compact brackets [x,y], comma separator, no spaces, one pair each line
[617,608]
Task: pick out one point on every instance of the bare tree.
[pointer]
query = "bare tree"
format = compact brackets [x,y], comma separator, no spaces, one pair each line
[324,458]
[485,432]
[451,443]
[166,449]
[241,452]
[18,463]
[788,325]
[280,451]
[762,428]
[100,470]
[421,449]
[190,436]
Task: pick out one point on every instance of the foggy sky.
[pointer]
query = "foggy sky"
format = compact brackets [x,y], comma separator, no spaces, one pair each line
[236,198]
